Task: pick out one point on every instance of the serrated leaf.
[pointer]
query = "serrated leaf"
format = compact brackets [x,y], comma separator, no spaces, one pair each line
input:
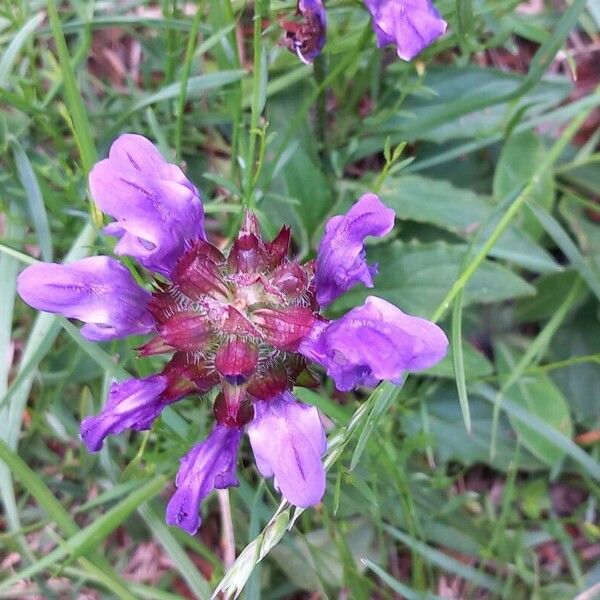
[461,212]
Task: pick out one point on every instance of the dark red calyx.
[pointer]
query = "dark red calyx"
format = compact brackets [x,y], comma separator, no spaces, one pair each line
[198,272]
[248,254]
[279,247]
[162,304]
[285,327]
[179,381]
[232,407]
[187,330]
[155,346]
[193,367]
[269,382]
[236,360]
[291,279]
[250,224]
[234,322]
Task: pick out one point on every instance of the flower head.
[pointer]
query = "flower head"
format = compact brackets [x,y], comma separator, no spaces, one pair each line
[411,25]
[306,38]
[245,320]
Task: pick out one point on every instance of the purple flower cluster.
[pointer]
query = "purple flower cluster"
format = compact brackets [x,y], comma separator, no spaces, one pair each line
[411,25]
[246,321]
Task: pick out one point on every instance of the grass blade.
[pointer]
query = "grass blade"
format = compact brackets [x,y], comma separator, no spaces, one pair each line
[35,202]
[10,54]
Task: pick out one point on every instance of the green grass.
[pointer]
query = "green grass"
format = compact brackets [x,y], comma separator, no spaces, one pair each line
[469,477]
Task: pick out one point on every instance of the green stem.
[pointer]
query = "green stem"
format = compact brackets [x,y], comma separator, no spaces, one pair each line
[185,75]
[512,211]
[257,102]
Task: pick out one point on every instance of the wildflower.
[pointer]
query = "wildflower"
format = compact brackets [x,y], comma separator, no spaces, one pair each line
[246,321]
[307,37]
[411,25]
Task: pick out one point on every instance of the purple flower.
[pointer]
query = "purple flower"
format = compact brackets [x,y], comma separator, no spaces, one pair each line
[410,24]
[288,441]
[373,342]
[341,255]
[245,321]
[207,466]
[157,210]
[132,404]
[307,38]
[99,291]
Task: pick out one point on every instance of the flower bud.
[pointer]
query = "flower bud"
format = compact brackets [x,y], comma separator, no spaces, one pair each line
[284,327]
[186,330]
[268,383]
[248,254]
[197,273]
[278,248]
[291,279]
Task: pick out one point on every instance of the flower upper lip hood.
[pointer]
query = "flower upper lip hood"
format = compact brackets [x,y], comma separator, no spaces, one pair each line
[246,320]
[411,25]
[156,209]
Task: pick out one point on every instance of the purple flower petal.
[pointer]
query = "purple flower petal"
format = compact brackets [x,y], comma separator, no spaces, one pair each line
[208,465]
[373,342]
[156,208]
[98,290]
[410,24]
[288,441]
[341,255]
[131,404]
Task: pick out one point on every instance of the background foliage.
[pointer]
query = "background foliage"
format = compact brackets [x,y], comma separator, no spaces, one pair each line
[479,479]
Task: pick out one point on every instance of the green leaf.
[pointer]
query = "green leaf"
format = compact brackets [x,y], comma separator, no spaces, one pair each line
[539,426]
[196,87]
[416,277]
[476,365]
[447,563]
[35,202]
[10,53]
[451,443]
[87,538]
[540,397]
[580,382]
[461,212]
[521,156]
[550,292]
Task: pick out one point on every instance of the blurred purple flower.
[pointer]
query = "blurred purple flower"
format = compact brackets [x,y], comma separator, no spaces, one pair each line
[288,441]
[306,38]
[341,260]
[157,210]
[132,404]
[373,342]
[207,466]
[98,290]
[411,25]
[245,321]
